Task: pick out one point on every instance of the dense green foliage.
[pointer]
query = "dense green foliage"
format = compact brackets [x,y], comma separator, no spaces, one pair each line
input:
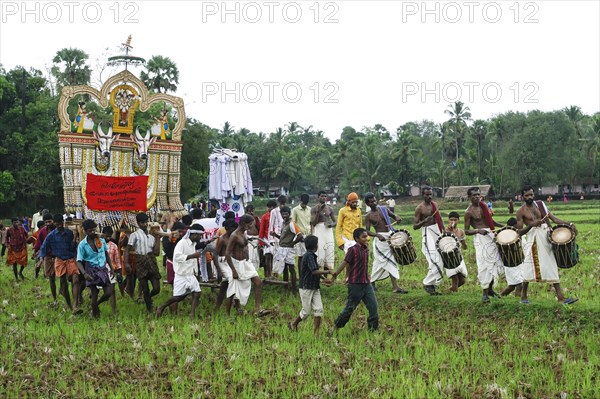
[507,151]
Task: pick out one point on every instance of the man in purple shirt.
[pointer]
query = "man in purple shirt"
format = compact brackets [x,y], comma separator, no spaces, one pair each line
[359,283]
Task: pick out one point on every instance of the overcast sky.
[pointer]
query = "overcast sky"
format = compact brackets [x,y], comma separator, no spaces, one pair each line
[333,64]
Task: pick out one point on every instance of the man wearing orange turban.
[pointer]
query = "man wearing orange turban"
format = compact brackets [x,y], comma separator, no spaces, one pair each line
[349,219]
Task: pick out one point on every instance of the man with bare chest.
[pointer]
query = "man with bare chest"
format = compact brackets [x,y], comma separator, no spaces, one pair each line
[384,263]
[243,272]
[479,222]
[322,221]
[253,249]
[221,264]
[539,264]
[428,219]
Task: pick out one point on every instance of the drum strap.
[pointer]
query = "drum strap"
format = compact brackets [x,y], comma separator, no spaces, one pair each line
[543,210]
[386,218]
[385,257]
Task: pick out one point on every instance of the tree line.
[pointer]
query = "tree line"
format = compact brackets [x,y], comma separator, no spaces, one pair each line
[506,151]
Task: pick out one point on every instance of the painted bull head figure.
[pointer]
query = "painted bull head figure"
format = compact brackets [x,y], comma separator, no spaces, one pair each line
[142,143]
[105,140]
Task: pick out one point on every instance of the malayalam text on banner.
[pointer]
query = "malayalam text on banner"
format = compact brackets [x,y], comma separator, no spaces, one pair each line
[105,193]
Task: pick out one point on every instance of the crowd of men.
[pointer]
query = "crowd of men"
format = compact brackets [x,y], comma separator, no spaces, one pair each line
[297,245]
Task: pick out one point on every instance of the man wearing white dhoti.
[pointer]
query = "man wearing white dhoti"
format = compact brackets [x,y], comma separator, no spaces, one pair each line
[322,220]
[479,222]
[427,217]
[185,266]
[253,239]
[384,263]
[220,262]
[242,270]
[290,236]
[540,263]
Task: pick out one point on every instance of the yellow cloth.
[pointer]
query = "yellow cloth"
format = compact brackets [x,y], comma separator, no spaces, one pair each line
[348,221]
[302,218]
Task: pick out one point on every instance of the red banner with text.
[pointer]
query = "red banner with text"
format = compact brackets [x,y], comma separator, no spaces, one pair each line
[116,193]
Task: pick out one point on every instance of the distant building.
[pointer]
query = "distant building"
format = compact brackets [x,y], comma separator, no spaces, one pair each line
[274,189]
[459,193]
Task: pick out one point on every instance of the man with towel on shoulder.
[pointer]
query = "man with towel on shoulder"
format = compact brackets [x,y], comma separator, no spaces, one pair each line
[539,264]
[428,219]
[478,217]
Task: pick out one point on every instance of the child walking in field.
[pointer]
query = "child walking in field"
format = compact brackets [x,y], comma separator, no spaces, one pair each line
[310,292]
[286,253]
[359,282]
[459,274]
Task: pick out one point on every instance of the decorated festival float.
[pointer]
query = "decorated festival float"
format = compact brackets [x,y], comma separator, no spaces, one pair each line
[120,148]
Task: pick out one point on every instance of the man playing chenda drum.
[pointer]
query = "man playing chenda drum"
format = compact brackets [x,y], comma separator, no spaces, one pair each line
[428,219]
[540,263]
[384,263]
[479,222]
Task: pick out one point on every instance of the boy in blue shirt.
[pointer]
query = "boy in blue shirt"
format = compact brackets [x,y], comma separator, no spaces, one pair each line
[310,293]
[94,252]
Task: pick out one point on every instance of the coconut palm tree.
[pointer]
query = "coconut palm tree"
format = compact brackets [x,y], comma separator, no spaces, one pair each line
[227,129]
[594,142]
[70,67]
[278,136]
[441,138]
[292,127]
[161,74]
[479,132]
[575,116]
[459,115]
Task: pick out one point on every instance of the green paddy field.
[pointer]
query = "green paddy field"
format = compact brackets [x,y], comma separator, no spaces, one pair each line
[449,346]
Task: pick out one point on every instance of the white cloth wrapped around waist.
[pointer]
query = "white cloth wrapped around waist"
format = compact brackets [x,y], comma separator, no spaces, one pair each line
[539,264]
[488,258]
[185,284]
[326,248]
[384,263]
[225,269]
[461,269]
[253,255]
[240,287]
[429,236]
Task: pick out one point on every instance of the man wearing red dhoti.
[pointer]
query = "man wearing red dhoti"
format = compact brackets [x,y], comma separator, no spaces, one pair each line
[16,238]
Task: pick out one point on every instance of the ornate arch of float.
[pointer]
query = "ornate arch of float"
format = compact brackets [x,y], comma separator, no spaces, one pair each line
[110,173]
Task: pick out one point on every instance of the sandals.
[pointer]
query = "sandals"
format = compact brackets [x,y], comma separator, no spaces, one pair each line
[262,313]
[570,301]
